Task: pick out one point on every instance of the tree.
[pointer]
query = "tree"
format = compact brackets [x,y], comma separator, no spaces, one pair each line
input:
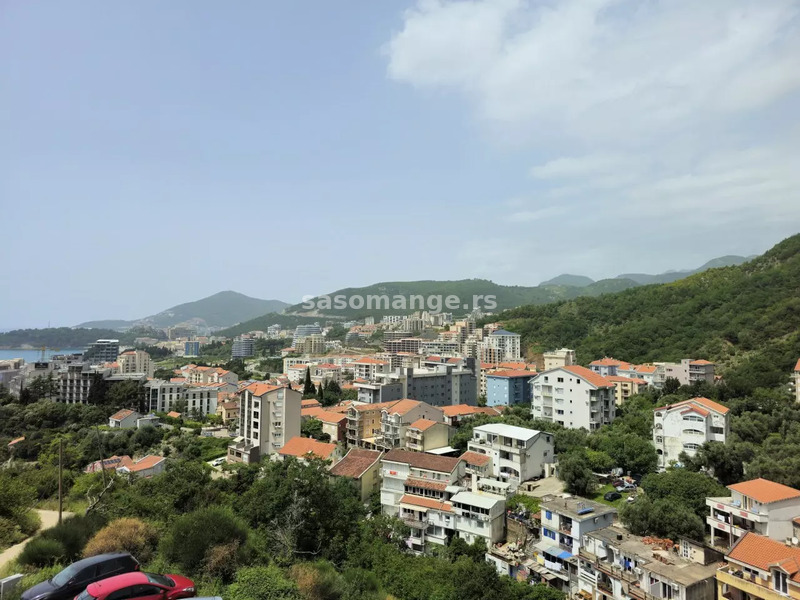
[576,473]
[321,394]
[671,385]
[629,452]
[662,518]
[262,583]
[724,461]
[308,387]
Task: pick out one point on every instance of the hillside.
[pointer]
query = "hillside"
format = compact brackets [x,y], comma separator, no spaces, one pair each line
[59,337]
[223,309]
[670,276]
[746,317]
[261,323]
[571,280]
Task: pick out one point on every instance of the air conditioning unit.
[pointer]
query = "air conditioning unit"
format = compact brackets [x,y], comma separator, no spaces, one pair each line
[638,570]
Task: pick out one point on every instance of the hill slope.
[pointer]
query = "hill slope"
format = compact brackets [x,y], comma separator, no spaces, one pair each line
[745,316]
[670,276]
[223,309]
[571,280]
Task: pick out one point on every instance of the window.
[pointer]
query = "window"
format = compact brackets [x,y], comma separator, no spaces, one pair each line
[122,594]
[694,418]
[691,446]
[560,380]
[692,432]
[548,514]
[146,590]
[717,430]
[779,581]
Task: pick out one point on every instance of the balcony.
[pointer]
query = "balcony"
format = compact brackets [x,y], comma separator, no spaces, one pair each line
[727,505]
[414,523]
[604,585]
[747,584]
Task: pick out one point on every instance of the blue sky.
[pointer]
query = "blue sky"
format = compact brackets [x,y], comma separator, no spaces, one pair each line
[155,153]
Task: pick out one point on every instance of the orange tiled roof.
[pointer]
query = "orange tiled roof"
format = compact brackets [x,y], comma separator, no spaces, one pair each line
[797,366]
[174,414]
[457,410]
[422,424]
[370,361]
[148,462]
[607,361]
[426,502]
[620,379]
[121,414]
[763,553]
[401,407]
[694,408]
[426,484]
[309,402]
[701,362]
[423,460]
[715,406]
[511,374]
[764,491]
[475,458]
[645,368]
[16,441]
[301,447]
[511,365]
[355,463]
[589,375]
[259,389]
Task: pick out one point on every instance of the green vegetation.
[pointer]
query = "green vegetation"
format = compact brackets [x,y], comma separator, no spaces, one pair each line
[59,337]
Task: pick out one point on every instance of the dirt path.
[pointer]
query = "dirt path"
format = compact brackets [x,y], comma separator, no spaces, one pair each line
[49,519]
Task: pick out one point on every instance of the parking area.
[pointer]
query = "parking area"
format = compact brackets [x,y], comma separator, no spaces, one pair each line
[543,487]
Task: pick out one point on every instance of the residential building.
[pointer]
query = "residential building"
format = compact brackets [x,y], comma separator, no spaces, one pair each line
[334,424]
[686,426]
[397,417]
[508,388]
[135,361]
[302,331]
[145,467]
[574,397]
[364,424]
[124,419]
[759,568]
[362,466]
[303,448]
[411,345]
[455,414]
[499,346]
[311,344]
[268,416]
[367,368]
[191,348]
[75,381]
[687,372]
[229,411]
[616,564]
[417,473]
[102,351]
[559,358]
[608,366]
[243,346]
[517,454]
[565,522]
[424,434]
[150,420]
[325,372]
[440,385]
[625,387]
[759,505]
[177,394]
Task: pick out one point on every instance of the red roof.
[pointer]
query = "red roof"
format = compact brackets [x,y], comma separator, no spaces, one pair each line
[121,414]
[620,379]
[309,402]
[590,376]
[16,441]
[301,447]
[259,389]
[765,491]
[426,484]
[174,414]
[475,458]
[645,368]
[355,463]
[797,366]
[423,460]
[764,553]
[148,462]
[422,424]
[370,361]
[701,362]
[715,406]
[458,410]
[426,502]
[511,374]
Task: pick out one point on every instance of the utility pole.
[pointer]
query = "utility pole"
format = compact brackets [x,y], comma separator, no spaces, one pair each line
[60,478]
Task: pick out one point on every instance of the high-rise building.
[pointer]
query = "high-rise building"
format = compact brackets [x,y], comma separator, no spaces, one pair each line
[135,361]
[191,348]
[574,397]
[102,351]
[243,347]
[268,416]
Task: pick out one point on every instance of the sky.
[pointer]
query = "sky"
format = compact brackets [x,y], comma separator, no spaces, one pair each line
[154,153]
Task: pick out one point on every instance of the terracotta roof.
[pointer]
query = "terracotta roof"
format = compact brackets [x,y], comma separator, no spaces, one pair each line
[121,414]
[645,368]
[148,462]
[16,441]
[301,447]
[422,424]
[457,410]
[259,389]
[309,402]
[426,502]
[797,366]
[701,362]
[607,361]
[423,460]
[230,405]
[715,406]
[475,458]
[765,491]
[620,379]
[763,553]
[488,365]
[511,374]
[174,414]
[329,416]
[694,408]
[401,407]
[590,376]
[355,463]
[370,361]
[426,484]
[177,380]
[511,365]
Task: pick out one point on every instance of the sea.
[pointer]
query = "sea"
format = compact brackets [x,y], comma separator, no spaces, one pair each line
[31,355]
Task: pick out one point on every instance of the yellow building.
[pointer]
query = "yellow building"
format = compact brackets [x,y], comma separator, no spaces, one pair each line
[760,568]
[424,435]
[624,387]
[363,467]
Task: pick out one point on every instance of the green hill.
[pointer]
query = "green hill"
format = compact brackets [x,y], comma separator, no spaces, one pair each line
[571,280]
[59,337]
[223,309]
[261,323]
[746,317]
[670,276]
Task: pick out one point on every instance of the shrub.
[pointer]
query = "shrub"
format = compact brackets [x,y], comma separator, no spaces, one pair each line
[262,583]
[29,522]
[42,552]
[221,561]
[9,533]
[192,536]
[31,579]
[74,533]
[317,581]
[124,535]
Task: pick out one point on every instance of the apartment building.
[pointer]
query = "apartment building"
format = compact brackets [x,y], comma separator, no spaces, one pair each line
[334,424]
[411,345]
[565,522]
[179,395]
[364,424]
[608,366]
[455,414]
[614,563]
[424,434]
[516,454]
[195,374]
[554,359]
[102,351]
[508,388]
[367,368]
[243,346]
[268,417]
[191,348]
[649,373]
[574,397]
[363,467]
[440,385]
[404,472]
[625,387]
[229,411]
[135,361]
[75,381]
[687,372]
[759,506]
[686,426]
[759,568]
[396,419]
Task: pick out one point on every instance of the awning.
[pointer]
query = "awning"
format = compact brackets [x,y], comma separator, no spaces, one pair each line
[550,549]
[565,555]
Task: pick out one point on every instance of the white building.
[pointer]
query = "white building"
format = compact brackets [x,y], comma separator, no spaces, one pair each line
[165,396]
[762,506]
[554,359]
[440,385]
[517,454]
[268,417]
[135,361]
[500,346]
[686,426]
[574,397]
[124,419]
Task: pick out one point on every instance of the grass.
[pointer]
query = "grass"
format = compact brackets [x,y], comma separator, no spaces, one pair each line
[601,491]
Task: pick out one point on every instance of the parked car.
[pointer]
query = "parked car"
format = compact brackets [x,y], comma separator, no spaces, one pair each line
[141,586]
[626,487]
[218,461]
[611,496]
[74,579]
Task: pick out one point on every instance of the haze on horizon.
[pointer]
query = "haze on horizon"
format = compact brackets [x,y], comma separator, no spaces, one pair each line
[156,153]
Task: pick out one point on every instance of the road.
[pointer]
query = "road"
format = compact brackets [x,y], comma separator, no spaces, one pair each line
[49,519]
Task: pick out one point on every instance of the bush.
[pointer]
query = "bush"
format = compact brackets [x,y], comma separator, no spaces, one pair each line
[10,533]
[317,581]
[221,561]
[124,535]
[192,536]
[43,552]
[262,583]
[74,533]
[31,579]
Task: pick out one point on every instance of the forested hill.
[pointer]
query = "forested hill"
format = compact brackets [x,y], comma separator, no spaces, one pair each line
[746,317]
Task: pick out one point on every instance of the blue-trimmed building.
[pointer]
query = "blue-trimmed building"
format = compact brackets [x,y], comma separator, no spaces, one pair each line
[509,388]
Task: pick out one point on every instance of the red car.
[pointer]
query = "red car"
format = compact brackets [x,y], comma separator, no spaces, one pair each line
[141,586]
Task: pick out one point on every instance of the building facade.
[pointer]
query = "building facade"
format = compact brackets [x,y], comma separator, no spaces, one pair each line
[686,426]
[516,454]
[508,388]
[574,397]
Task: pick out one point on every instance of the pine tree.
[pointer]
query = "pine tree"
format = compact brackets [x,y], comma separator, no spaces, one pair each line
[308,387]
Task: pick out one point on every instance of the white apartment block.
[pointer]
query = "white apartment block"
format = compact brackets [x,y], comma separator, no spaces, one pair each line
[564,357]
[135,361]
[517,454]
[419,474]
[166,396]
[440,385]
[687,372]
[500,346]
[367,368]
[269,416]
[574,397]
[761,506]
[649,373]
[686,426]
